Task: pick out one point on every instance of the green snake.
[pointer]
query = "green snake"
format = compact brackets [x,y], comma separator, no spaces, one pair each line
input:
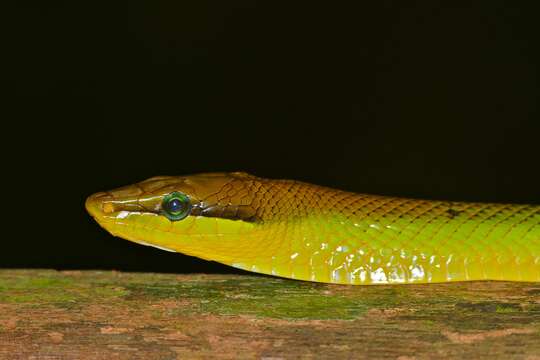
[302,231]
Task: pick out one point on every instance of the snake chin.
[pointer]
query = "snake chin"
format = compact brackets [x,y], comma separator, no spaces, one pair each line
[156,246]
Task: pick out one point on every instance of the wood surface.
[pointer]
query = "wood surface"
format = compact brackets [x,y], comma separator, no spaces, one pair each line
[46,314]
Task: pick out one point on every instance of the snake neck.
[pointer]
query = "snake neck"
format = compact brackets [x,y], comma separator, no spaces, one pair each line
[314,233]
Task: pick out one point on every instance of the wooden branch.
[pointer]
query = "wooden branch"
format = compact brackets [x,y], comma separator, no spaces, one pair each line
[46,314]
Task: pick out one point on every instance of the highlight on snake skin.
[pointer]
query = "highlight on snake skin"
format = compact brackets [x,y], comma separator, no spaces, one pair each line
[307,232]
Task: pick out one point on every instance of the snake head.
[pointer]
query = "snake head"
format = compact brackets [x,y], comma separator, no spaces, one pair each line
[202,215]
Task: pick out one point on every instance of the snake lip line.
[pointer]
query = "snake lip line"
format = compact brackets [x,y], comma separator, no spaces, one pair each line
[102,204]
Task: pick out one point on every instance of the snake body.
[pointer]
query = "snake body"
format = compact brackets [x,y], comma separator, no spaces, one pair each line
[302,231]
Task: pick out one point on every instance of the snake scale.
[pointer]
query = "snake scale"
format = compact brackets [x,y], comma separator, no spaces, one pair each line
[302,231]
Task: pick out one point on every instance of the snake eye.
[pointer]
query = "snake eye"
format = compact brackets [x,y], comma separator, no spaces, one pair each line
[176,206]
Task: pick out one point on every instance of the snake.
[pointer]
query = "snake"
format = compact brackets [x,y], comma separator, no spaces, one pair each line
[297,230]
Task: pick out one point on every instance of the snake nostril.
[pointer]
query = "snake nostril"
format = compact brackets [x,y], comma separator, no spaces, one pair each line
[99,203]
[107,207]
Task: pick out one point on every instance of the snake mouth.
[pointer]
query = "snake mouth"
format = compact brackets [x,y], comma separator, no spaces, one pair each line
[95,204]
[111,217]
[100,207]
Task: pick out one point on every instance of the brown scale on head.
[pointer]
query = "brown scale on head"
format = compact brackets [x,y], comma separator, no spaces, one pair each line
[235,196]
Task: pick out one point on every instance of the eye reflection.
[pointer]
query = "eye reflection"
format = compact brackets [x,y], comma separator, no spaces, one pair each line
[174,205]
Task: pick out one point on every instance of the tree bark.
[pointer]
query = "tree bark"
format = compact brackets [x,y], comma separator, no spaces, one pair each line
[46,314]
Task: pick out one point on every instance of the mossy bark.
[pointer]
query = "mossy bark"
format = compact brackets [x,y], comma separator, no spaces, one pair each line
[46,314]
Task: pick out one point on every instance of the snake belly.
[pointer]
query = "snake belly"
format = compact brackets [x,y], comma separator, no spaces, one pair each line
[302,231]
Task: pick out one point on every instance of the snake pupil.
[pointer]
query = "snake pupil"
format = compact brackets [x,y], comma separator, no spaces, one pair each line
[174,205]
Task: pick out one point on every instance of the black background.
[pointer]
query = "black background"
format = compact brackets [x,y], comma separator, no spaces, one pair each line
[425,99]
